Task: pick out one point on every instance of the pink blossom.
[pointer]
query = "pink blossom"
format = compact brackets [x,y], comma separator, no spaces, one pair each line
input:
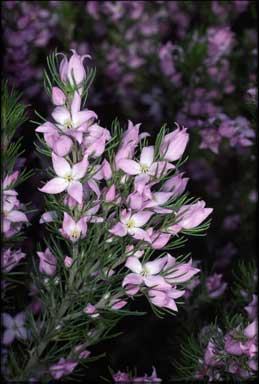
[11,216]
[68,261]
[190,216]
[95,140]
[164,298]
[68,178]
[48,262]
[178,272]
[131,224]
[73,70]
[73,230]
[75,122]
[48,217]
[121,377]
[145,166]
[147,274]
[129,142]
[232,346]
[176,184]
[62,368]
[10,179]
[210,356]
[58,96]
[14,327]
[118,304]
[251,308]
[91,311]
[158,239]
[110,194]
[215,286]
[174,144]
[11,258]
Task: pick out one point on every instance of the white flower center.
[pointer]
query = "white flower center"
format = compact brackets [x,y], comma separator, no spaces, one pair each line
[68,124]
[131,223]
[144,168]
[75,233]
[69,178]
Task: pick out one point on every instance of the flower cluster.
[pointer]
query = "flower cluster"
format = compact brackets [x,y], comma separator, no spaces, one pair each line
[123,377]
[130,196]
[14,217]
[234,354]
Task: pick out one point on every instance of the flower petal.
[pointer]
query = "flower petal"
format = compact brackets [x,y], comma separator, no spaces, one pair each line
[79,169]
[75,190]
[60,165]
[8,336]
[56,185]
[141,218]
[130,167]
[61,115]
[147,155]
[118,230]
[16,216]
[134,264]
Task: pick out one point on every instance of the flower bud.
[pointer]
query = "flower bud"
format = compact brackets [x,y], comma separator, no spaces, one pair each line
[75,71]
[58,96]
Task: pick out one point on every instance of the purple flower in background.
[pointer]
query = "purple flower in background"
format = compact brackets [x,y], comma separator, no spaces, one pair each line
[10,258]
[14,328]
[251,308]
[62,368]
[215,286]
[48,262]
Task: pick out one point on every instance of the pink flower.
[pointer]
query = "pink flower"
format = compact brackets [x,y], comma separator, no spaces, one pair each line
[10,179]
[95,140]
[83,353]
[232,346]
[73,230]
[129,142]
[58,96]
[147,274]
[110,194]
[176,184]
[158,239]
[68,261]
[131,224]
[72,123]
[48,217]
[146,165]
[48,262]
[210,355]
[62,368]
[215,286]
[14,327]
[174,144]
[11,215]
[251,308]
[157,199]
[164,298]
[91,311]
[118,304]
[73,70]
[68,178]
[178,272]
[121,377]
[11,258]
[190,216]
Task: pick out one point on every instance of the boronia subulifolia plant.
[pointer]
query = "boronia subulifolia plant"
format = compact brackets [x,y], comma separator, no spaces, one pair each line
[13,115]
[14,215]
[227,348]
[112,201]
